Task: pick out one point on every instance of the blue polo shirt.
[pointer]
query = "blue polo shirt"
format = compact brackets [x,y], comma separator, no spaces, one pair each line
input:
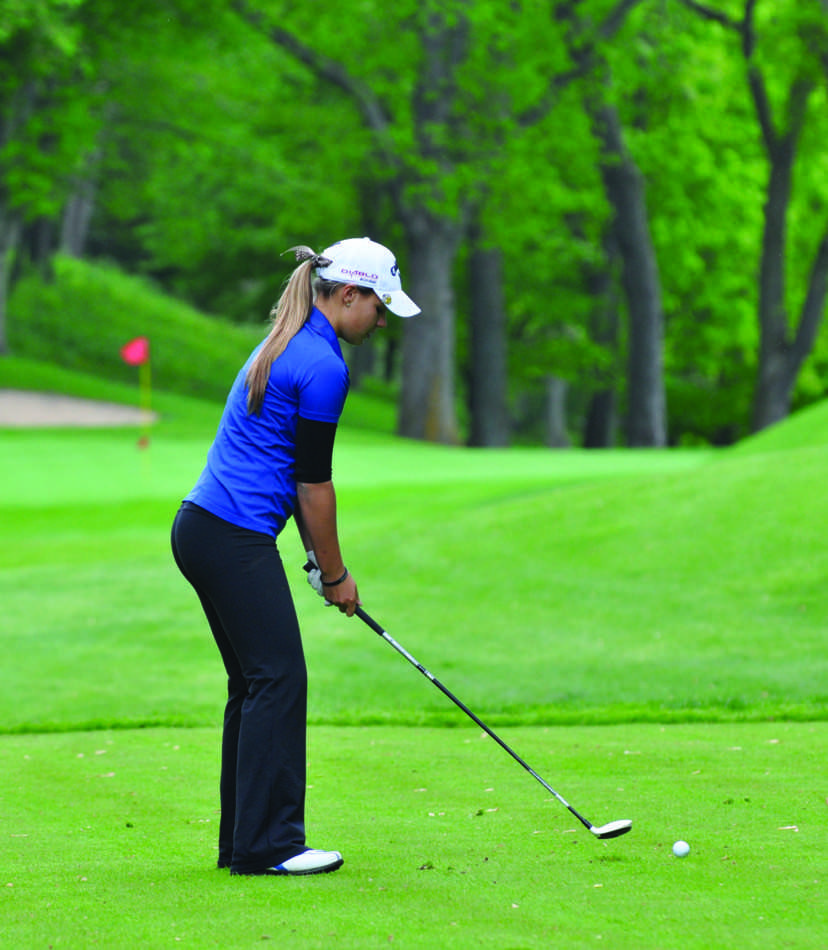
[249,479]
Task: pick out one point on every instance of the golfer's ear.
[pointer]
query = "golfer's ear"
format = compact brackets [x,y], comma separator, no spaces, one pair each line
[349,293]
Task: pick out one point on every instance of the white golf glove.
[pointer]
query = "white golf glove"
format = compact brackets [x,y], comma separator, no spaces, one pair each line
[314,573]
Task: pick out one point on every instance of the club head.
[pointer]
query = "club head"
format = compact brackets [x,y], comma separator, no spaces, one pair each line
[614,829]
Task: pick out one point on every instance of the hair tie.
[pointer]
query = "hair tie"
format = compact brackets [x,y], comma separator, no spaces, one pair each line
[304,253]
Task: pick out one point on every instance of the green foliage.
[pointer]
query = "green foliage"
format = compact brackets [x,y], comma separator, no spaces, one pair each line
[230,169]
[791,38]
[45,128]
[212,150]
[690,128]
[551,239]
[790,42]
[83,318]
[45,24]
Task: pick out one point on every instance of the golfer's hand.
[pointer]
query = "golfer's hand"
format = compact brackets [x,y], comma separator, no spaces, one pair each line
[344,596]
[314,574]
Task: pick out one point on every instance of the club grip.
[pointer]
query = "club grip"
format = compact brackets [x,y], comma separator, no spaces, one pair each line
[367,618]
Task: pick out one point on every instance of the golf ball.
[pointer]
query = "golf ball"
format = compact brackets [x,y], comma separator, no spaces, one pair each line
[681,849]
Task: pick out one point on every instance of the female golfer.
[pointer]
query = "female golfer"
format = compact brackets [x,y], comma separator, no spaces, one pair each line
[271,458]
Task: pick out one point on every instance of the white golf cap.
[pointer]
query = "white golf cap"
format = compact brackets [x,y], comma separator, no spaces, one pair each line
[365,263]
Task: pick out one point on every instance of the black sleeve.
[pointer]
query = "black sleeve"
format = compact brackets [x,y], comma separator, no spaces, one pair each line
[314,450]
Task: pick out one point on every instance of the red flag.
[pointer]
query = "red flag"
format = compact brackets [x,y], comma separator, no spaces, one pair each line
[136,352]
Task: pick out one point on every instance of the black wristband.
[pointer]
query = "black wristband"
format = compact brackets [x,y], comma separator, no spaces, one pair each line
[334,583]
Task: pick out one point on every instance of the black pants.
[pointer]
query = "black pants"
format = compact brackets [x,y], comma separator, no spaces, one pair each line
[240,581]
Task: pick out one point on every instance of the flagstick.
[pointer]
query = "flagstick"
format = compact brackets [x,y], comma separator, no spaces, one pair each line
[145,399]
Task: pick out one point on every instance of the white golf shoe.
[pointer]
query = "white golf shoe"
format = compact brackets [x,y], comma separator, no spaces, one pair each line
[309,862]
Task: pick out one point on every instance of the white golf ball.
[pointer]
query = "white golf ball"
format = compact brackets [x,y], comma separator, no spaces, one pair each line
[681,849]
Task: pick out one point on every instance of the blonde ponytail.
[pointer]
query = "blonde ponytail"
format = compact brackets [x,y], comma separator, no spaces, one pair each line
[288,317]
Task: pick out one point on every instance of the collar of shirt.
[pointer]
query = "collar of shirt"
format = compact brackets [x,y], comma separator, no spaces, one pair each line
[318,322]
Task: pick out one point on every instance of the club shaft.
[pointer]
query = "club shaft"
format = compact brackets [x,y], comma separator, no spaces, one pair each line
[378,629]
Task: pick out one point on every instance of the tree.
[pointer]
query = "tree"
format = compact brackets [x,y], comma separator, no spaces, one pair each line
[405,130]
[589,278]
[538,188]
[57,84]
[489,422]
[626,193]
[38,43]
[624,183]
[211,173]
[439,116]
[784,73]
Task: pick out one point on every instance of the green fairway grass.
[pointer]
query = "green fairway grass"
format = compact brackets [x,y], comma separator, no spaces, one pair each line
[110,841]
[544,587]
[646,627]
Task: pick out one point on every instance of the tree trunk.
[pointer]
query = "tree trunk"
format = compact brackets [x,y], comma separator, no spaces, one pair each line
[780,361]
[601,421]
[557,435]
[389,362]
[599,428]
[780,355]
[77,216]
[427,400]
[361,362]
[9,240]
[624,184]
[435,225]
[14,116]
[38,244]
[488,376]
[771,397]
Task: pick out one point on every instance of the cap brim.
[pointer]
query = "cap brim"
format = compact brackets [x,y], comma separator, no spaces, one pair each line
[399,303]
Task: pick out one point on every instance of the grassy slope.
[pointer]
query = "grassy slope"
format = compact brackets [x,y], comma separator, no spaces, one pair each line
[82,319]
[540,586]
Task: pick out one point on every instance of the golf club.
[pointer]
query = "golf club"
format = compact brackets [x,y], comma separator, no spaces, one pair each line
[612,829]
